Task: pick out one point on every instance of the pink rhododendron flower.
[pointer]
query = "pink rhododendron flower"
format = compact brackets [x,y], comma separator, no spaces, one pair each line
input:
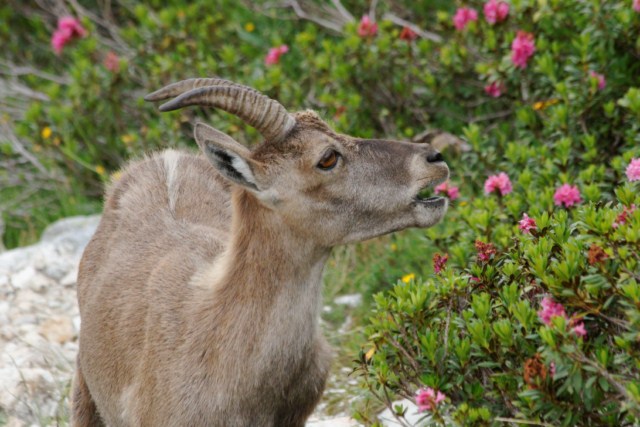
[499,183]
[495,11]
[633,170]
[567,195]
[112,62]
[602,82]
[439,262]
[68,29]
[636,5]
[522,48]
[550,309]
[623,216]
[485,250]
[427,399]
[527,224]
[463,16]
[273,57]
[367,27]
[408,34]
[494,89]
[451,191]
[579,329]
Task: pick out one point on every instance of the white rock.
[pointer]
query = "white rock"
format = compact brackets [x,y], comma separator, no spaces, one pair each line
[351,300]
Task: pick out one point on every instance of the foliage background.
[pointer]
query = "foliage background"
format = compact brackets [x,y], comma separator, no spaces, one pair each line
[68,123]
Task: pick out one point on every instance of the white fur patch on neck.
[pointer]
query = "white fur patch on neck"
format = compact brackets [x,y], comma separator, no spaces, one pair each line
[171,159]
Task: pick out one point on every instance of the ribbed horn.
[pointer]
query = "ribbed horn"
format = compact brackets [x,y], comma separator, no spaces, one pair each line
[270,118]
[183,86]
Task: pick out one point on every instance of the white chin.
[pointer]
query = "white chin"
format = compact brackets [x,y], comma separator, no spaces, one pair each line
[430,211]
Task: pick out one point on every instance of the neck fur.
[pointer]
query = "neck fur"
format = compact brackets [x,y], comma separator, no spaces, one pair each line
[265,289]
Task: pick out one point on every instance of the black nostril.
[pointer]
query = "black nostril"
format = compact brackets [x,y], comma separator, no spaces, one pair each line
[435,157]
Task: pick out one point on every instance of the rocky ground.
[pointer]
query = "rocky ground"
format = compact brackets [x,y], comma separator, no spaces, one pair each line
[39,324]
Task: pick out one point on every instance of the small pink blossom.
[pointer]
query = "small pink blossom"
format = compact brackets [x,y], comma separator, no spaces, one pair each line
[552,369]
[498,183]
[633,170]
[636,5]
[439,262]
[578,329]
[495,11]
[527,224]
[550,309]
[68,29]
[451,191]
[522,48]
[273,57]
[367,27]
[494,89]
[567,195]
[428,399]
[623,216]
[602,82]
[112,62]
[408,34]
[463,16]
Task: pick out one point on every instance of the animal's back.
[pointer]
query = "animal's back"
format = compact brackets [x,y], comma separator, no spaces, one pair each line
[165,217]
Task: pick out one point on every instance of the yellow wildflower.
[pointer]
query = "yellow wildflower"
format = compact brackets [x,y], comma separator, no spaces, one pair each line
[127,139]
[116,176]
[408,277]
[100,170]
[394,247]
[370,353]
[541,105]
[249,27]
[46,132]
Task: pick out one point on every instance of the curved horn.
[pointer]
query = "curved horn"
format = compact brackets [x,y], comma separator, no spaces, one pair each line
[270,118]
[183,86]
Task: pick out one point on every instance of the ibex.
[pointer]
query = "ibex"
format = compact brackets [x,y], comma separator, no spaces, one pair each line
[200,292]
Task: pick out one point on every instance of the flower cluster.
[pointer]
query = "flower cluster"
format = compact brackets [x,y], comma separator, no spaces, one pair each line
[451,191]
[485,250]
[633,170]
[428,399]
[495,11]
[463,16]
[408,34]
[498,183]
[273,57]
[551,309]
[623,216]
[439,262]
[367,27]
[567,195]
[522,48]
[68,29]
[494,89]
[527,224]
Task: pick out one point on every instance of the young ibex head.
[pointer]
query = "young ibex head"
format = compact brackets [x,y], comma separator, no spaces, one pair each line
[329,187]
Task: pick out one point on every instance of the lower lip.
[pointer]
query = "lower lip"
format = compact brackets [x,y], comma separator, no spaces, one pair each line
[432,202]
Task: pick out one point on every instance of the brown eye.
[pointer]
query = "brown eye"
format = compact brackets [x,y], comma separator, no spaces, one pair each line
[329,160]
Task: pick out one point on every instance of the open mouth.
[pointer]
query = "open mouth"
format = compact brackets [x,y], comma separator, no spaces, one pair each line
[425,197]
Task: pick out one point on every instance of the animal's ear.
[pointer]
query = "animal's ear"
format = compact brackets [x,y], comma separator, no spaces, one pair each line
[230,158]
